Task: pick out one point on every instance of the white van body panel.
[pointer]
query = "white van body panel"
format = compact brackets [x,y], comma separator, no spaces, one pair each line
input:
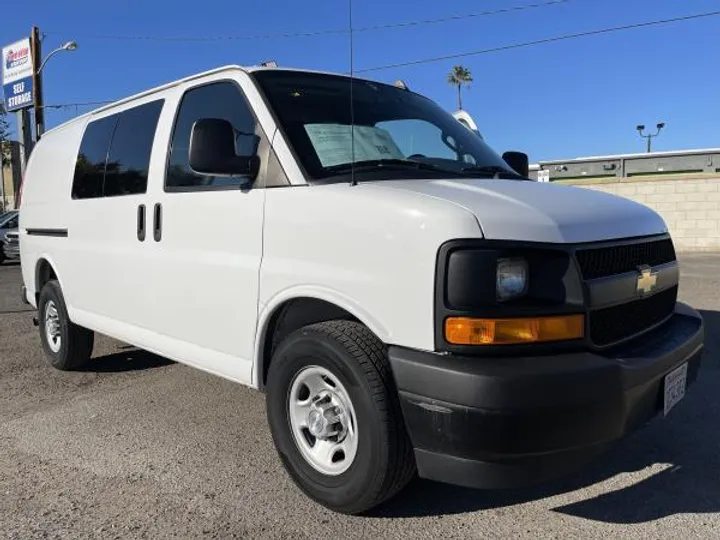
[169,297]
[541,212]
[51,168]
[317,244]
[108,265]
[205,293]
[203,274]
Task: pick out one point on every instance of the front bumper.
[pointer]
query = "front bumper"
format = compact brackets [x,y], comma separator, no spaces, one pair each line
[506,422]
[11,251]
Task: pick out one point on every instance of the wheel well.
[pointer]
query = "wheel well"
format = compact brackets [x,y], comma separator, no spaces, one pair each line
[44,273]
[293,315]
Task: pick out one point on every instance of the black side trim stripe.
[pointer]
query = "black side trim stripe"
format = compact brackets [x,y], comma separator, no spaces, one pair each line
[62,233]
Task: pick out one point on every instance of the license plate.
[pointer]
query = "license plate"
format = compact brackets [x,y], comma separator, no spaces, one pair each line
[675,383]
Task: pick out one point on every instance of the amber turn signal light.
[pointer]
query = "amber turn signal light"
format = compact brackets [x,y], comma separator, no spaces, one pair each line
[468,331]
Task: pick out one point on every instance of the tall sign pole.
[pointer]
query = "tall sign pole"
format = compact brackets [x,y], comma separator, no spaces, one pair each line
[36,48]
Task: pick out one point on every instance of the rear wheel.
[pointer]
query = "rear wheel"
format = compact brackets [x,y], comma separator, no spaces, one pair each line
[335,416]
[67,345]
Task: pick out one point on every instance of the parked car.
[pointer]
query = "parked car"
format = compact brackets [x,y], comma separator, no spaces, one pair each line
[8,224]
[409,301]
[11,246]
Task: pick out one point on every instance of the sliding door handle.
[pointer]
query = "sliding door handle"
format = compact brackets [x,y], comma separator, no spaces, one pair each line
[141,223]
[157,222]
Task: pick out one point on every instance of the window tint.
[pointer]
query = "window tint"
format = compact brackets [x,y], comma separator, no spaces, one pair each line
[90,165]
[127,166]
[115,153]
[219,100]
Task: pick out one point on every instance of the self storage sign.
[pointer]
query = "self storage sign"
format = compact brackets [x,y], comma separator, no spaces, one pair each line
[17,70]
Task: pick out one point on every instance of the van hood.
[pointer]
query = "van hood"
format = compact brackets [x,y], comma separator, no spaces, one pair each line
[539,211]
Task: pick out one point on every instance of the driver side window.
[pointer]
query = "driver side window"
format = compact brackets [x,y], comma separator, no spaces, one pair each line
[414,136]
[222,100]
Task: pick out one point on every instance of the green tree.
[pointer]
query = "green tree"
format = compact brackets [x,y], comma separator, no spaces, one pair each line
[459,76]
[4,136]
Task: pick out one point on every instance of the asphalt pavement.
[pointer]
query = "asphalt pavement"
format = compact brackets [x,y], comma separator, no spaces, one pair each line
[139,447]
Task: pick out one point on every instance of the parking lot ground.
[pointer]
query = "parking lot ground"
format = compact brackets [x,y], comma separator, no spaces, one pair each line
[140,447]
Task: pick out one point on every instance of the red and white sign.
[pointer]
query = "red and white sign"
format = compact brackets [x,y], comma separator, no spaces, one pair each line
[16,61]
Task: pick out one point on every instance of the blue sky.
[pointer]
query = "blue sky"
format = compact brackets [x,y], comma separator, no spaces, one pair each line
[561,100]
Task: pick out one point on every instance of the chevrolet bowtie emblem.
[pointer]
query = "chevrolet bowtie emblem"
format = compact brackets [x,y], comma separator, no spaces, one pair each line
[646,280]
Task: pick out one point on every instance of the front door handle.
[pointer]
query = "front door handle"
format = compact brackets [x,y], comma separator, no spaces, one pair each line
[141,223]
[157,222]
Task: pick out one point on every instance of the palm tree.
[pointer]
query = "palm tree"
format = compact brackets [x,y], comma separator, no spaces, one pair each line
[458,76]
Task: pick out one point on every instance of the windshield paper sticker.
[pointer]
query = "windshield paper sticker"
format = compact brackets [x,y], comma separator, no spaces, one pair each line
[333,143]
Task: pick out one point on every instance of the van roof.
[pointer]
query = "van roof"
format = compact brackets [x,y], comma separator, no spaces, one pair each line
[166,86]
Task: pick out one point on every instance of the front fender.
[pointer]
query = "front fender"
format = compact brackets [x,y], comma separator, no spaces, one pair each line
[268,309]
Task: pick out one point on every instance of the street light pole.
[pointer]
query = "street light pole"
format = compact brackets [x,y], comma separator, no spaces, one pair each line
[38,104]
[67,46]
[650,136]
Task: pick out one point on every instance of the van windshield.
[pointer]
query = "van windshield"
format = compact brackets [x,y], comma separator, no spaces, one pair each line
[398,134]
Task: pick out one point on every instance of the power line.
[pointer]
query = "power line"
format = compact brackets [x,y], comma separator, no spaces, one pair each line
[474,53]
[541,41]
[80,104]
[460,17]
[327,31]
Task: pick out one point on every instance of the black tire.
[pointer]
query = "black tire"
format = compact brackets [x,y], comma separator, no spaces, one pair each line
[384,462]
[76,343]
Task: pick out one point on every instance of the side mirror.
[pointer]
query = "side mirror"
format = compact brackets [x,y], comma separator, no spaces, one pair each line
[519,162]
[212,150]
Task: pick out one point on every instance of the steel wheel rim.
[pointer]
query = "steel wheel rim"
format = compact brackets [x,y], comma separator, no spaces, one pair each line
[322,420]
[52,327]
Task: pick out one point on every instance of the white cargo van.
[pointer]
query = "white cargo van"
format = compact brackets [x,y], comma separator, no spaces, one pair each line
[408,302]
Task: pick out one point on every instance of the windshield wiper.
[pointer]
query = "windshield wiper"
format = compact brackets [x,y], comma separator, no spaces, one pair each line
[494,170]
[384,163]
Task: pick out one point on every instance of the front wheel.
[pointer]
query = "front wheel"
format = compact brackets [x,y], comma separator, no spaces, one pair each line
[335,417]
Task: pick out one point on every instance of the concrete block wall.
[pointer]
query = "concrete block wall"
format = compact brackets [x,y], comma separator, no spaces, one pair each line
[689,206]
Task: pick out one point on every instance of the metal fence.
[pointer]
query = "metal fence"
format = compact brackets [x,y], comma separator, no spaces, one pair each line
[630,165]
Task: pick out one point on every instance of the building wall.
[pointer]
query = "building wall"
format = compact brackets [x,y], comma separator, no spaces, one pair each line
[9,202]
[11,177]
[690,206]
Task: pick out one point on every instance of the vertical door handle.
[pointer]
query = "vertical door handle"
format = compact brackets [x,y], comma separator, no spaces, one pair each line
[141,223]
[157,222]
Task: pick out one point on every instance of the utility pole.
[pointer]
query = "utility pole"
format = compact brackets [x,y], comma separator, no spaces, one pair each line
[3,203]
[650,136]
[36,48]
[24,133]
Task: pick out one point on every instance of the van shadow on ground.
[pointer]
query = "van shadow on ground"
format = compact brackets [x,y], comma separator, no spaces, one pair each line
[688,441]
[127,359]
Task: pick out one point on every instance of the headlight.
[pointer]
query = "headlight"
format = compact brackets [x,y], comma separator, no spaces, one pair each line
[494,293]
[511,278]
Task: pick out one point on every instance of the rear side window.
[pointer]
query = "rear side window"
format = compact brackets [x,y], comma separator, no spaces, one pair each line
[218,100]
[90,165]
[126,172]
[115,152]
